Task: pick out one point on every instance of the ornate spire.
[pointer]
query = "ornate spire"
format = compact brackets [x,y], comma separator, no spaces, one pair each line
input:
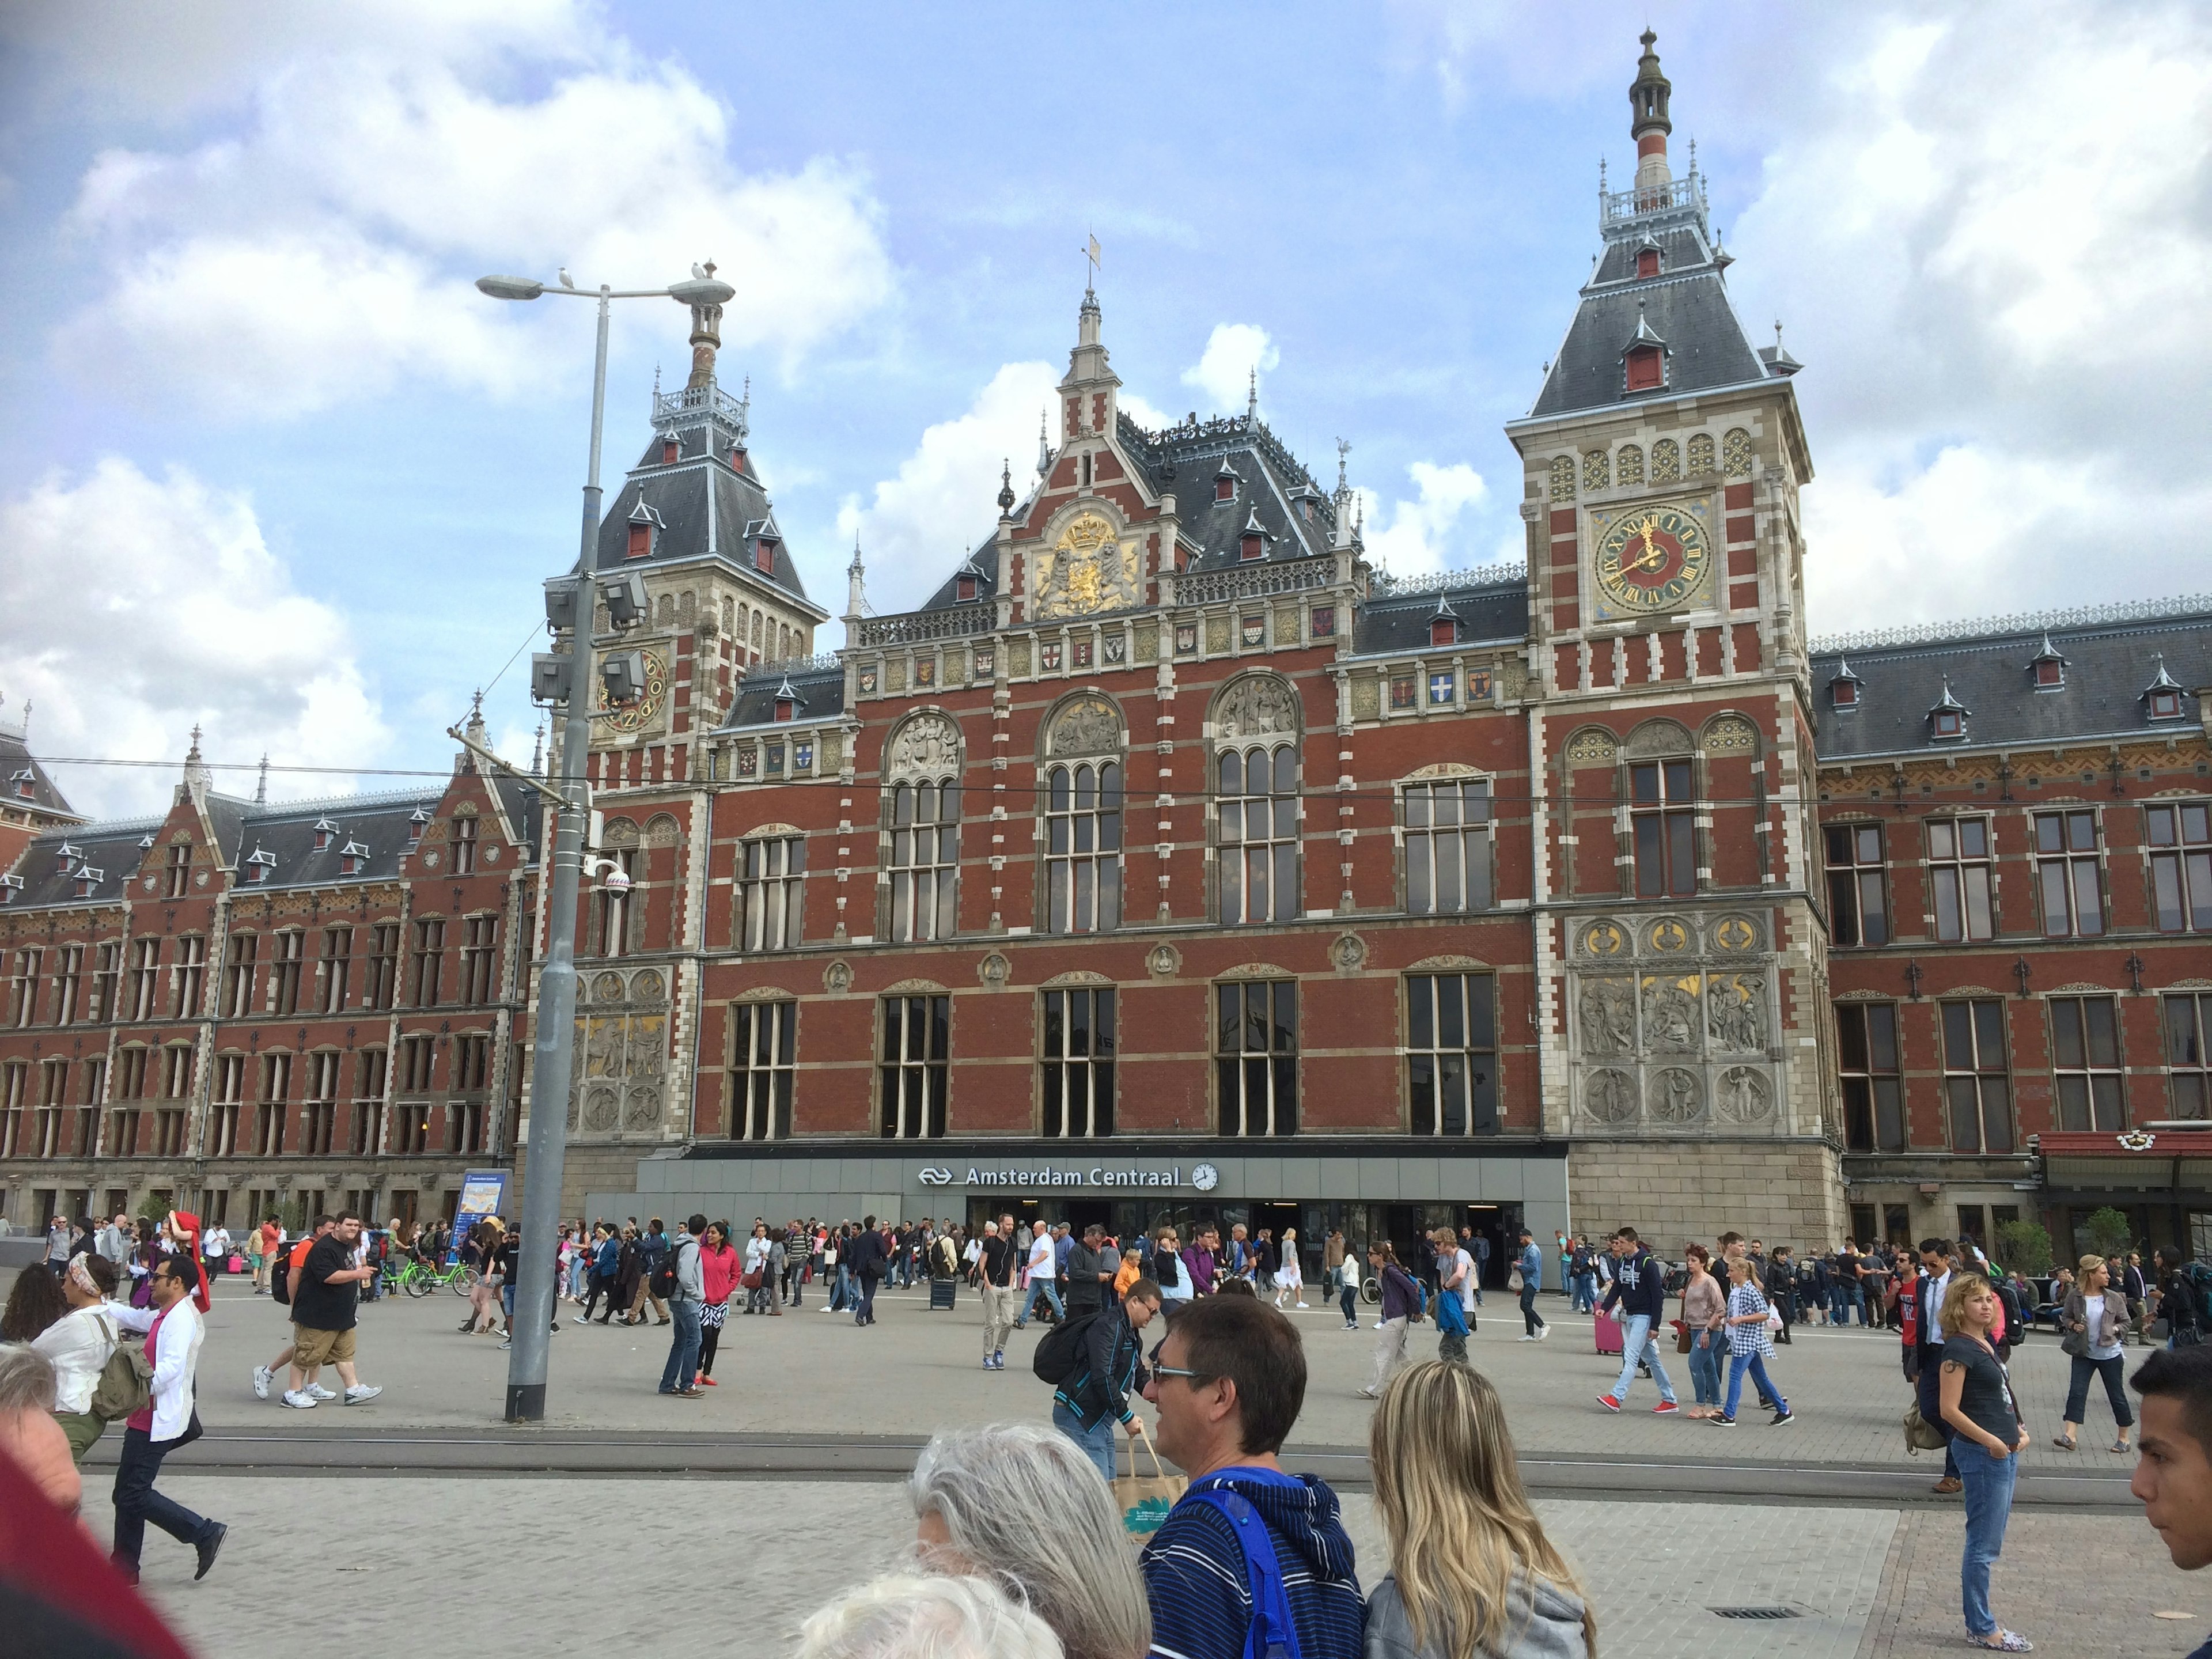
[706,336]
[198,778]
[1044,449]
[1006,487]
[1252,393]
[1649,124]
[537,751]
[261,786]
[856,600]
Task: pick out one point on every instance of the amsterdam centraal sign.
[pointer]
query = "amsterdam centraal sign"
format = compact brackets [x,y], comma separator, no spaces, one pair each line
[1200,1177]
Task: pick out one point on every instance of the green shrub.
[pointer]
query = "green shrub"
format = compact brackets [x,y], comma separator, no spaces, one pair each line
[2024,1246]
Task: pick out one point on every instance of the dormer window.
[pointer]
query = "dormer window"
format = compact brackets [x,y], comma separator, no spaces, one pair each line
[737,461]
[88,880]
[416,820]
[1647,259]
[965,587]
[1843,686]
[26,783]
[9,887]
[65,855]
[787,702]
[1224,484]
[671,450]
[644,529]
[2162,696]
[2047,668]
[1443,624]
[353,859]
[1646,370]
[259,865]
[764,555]
[326,833]
[1948,718]
[1252,543]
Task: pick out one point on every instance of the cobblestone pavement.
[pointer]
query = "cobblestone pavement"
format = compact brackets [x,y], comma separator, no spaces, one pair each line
[523,1567]
[916,1371]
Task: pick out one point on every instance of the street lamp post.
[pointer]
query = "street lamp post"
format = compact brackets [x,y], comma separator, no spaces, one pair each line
[537,1265]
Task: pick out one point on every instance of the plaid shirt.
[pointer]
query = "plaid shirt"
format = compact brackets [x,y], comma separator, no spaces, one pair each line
[1753,1338]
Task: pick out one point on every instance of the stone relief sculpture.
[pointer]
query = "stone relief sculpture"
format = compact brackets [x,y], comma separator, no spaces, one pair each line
[1680,1099]
[603,1048]
[1256,706]
[1670,1016]
[1610,1096]
[600,1110]
[643,1110]
[1608,1016]
[926,745]
[1746,1096]
[1088,725]
[1735,1012]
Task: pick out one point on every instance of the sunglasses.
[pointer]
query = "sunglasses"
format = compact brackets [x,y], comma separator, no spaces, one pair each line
[1193,1377]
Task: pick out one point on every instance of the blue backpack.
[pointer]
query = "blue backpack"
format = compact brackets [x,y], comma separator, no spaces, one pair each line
[1271,1635]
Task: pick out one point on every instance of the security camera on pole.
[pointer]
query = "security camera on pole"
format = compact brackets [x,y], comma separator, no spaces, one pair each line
[566,679]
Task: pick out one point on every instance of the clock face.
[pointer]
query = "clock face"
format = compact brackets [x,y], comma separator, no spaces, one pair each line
[634,716]
[1652,559]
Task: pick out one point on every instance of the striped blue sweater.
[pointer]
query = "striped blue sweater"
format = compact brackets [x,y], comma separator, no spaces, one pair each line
[1202,1601]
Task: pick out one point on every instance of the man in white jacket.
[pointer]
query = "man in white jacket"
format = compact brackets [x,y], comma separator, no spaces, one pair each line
[160,1425]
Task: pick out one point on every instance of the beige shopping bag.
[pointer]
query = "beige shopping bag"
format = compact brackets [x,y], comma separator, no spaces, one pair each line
[1145,1499]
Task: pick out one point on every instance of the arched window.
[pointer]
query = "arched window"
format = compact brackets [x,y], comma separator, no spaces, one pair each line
[1628,465]
[1596,470]
[1563,479]
[1083,847]
[1666,461]
[925,859]
[1701,454]
[1257,804]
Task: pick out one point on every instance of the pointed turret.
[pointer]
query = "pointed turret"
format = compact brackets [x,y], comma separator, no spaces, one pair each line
[1649,125]
[1087,391]
[198,779]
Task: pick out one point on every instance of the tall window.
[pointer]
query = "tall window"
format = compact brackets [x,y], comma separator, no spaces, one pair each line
[322,1112]
[1976,1086]
[368,1102]
[87,1115]
[238,977]
[1858,914]
[272,1105]
[915,1075]
[416,1057]
[122,1122]
[2066,874]
[1663,818]
[285,971]
[1076,1078]
[53,1093]
[1083,847]
[105,978]
[68,976]
[478,956]
[23,989]
[2181,866]
[2085,1059]
[465,845]
[1873,1079]
[230,1102]
[1451,1054]
[771,893]
[411,1130]
[1959,869]
[428,960]
[471,1062]
[614,899]
[2188,1023]
[191,971]
[179,872]
[1448,847]
[763,1049]
[383,965]
[1258,803]
[177,1069]
[1256,1057]
[925,859]
[337,960]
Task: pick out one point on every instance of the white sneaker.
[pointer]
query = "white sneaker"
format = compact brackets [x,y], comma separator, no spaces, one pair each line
[1542,1331]
[299,1400]
[361,1393]
[320,1392]
[1524,1339]
[263,1376]
[1300,1305]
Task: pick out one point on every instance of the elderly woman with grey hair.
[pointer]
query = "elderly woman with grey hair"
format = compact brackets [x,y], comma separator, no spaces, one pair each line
[978,1496]
[903,1616]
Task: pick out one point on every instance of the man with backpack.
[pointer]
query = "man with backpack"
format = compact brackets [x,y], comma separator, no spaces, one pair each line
[326,1304]
[680,1281]
[1251,1558]
[653,1250]
[2185,1296]
[866,1255]
[1639,1291]
[280,1264]
[1095,1361]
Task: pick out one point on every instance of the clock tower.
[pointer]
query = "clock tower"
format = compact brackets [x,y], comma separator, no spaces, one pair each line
[1685,1047]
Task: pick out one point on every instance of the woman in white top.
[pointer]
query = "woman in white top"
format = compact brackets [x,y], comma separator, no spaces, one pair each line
[2092,1325]
[82,1341]
[1290,1275]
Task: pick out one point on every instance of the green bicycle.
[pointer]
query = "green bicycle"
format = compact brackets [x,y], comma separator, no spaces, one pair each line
[418,1278]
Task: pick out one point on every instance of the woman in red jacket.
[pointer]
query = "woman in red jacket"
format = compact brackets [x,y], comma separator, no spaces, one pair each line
[719,1265]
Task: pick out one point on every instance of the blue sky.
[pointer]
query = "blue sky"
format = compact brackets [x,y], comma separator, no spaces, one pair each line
[270,464]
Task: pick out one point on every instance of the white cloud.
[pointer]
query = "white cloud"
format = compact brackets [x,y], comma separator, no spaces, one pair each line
[1223,371]
[138,606]
[920,524]
[328,249]
[1412,538]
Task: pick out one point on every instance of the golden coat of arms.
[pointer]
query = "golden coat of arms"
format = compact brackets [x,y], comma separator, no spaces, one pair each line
[1085,572]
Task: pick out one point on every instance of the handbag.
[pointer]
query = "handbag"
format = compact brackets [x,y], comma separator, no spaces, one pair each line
[1684,1340]
[127,1381]
[1145,1499]
[1921,1434]
[752,1280]
[1514,1281]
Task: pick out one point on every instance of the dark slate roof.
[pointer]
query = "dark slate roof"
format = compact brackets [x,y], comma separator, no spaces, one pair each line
[113,849]
[1489,605]
[1687,306]
[703,501]
[2110,653]
[821,691]
[16,757]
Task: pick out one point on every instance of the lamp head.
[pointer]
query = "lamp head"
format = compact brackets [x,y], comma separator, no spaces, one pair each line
[697,291]
[509,288]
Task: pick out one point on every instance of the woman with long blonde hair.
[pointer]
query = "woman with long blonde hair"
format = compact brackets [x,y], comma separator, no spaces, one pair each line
[1472,1574]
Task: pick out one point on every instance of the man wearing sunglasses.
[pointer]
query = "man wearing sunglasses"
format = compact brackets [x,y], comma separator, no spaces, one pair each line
[1229,1385]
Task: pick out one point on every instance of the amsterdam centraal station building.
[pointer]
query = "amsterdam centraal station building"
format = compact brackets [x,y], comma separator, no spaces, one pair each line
[1171,861]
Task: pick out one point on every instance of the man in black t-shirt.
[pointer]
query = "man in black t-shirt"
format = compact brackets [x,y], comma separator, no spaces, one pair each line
[996,1268]
[324,1305]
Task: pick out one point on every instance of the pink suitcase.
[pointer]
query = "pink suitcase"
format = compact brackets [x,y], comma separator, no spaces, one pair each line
[1609,1335]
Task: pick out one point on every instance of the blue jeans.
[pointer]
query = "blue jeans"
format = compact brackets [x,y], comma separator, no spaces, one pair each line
[1705,1367]
[1049,1291]
[682,1348]
[1842,1300]
[1756,1364]
[1989,1483]
[846,1292]
[1585,1296]
[865,1313]
[1531,1320]
[1096,1441]
[1635,1340]
[137,1502]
